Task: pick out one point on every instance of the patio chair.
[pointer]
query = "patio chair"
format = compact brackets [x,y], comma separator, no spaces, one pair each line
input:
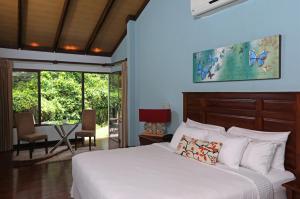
[26,132]
[88,127]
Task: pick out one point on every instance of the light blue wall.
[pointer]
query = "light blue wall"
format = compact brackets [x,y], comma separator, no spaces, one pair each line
[133,97]
[166,35]
[121,51]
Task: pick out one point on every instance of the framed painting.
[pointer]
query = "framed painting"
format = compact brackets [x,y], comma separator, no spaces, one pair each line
[254,60]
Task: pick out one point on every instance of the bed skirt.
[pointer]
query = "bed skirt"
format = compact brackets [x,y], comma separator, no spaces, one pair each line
[74,192]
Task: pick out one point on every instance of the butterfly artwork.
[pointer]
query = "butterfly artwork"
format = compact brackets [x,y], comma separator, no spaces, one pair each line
[203,71]
[212,60]
[210,75]
[217,68]
[221,52]
[259,59]
[266,68]
[251,60]
[241,50]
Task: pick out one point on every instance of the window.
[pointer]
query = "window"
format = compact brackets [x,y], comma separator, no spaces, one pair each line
[96,95]
[61,96]
[115,95]
[25,92]
[57,96]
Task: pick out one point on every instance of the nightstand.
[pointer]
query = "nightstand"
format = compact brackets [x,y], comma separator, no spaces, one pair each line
[146,139]
[292,189]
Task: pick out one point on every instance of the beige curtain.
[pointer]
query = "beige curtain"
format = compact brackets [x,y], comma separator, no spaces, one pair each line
[124,130]
[6,113]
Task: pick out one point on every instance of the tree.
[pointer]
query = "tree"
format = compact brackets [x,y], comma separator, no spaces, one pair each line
[61,95]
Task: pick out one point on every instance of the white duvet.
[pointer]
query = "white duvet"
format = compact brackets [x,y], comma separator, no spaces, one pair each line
[155,172]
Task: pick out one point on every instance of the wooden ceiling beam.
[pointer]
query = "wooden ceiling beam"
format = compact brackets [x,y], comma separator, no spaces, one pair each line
[99,25]
[21,10]
[61,24]
[22,6]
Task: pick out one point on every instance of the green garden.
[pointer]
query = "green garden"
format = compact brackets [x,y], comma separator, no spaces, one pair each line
[63,95]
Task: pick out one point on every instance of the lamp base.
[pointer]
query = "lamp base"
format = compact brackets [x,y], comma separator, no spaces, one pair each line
[154,134]
[155,127]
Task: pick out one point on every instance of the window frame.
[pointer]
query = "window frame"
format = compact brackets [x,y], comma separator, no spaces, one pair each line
[39,122]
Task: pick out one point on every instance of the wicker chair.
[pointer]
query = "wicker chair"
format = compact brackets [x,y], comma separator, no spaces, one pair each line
[26,131]
[88,127]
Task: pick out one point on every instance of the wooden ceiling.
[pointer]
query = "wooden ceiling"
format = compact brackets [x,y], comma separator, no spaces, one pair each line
[94,27]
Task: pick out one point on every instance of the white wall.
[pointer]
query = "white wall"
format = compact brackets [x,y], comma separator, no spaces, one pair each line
[62,67]
[26,54]
[29,54]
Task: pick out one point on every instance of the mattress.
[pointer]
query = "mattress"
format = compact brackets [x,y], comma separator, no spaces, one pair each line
[155,171]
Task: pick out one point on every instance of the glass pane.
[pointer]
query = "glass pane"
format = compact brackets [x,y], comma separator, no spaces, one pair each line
[115,105]
[61,96]
[115,95]
[25,92]
[96,97]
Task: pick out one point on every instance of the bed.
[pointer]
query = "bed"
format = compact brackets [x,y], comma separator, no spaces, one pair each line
[155,171]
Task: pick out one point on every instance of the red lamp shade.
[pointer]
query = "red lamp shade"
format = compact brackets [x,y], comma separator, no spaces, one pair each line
[155,115]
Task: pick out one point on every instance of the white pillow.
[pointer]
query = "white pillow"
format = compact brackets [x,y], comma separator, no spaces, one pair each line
[188,131]
[210,127]
[258,156]
[232,149]
[279,138]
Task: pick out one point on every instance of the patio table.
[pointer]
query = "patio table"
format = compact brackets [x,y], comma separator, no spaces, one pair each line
[60,129]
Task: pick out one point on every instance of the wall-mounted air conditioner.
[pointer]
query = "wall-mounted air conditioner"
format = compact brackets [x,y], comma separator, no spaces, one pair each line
[208,7]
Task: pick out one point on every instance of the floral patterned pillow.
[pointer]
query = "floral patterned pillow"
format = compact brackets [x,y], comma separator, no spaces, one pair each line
[203,151]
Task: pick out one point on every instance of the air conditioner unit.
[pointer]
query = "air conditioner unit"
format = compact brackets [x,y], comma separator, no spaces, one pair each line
[208,7]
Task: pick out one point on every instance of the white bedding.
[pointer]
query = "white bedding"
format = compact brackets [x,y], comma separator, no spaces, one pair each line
[155,171]
[277,178]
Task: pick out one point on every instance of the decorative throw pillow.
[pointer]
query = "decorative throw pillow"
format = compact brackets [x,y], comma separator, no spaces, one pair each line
[203,151]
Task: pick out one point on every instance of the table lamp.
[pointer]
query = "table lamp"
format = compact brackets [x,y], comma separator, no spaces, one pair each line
[155,120]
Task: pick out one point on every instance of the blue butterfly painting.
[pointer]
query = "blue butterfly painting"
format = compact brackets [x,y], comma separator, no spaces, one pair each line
[212,60]
[260,59]
[203,71]
[250,60]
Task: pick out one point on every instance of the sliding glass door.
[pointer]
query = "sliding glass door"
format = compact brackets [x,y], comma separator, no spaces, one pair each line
[61,95]
[56,96]
[115,111]
[96,97]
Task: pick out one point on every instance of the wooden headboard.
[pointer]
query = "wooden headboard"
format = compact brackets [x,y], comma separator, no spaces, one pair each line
[258,111]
